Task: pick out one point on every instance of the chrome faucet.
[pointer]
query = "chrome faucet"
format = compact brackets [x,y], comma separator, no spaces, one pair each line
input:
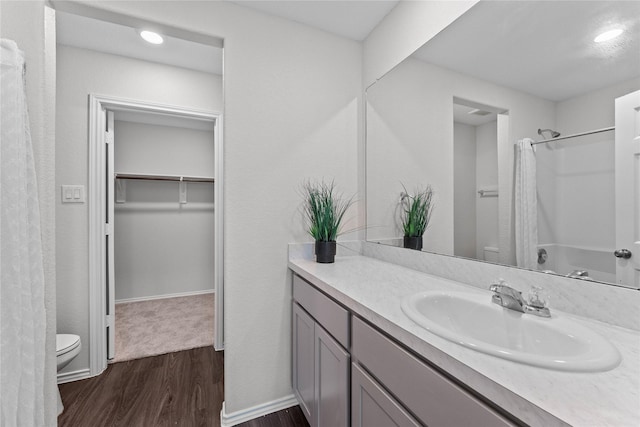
[507,297]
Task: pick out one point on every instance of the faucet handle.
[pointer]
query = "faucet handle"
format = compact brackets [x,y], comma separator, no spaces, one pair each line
[537,297]
[537,302]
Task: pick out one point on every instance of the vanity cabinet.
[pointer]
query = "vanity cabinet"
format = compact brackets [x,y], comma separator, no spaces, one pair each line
[434,399]
[304,359]
[373,406]
[335,351]
[321,362]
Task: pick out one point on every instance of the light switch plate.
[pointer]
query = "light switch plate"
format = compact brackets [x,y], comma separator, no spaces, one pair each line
[73,194]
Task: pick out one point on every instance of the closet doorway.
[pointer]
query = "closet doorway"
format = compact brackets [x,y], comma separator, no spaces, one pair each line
[155,223]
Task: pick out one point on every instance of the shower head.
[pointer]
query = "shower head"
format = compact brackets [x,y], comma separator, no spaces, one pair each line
[553,133]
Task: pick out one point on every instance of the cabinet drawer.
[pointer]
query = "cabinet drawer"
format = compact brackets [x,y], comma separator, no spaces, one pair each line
[433,398]
[329,314]
[371,405]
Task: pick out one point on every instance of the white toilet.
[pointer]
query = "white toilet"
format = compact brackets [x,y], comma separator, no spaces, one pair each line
[67,348]
[491,254]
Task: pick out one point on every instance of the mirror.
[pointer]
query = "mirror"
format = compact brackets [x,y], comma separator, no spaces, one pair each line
[475,181]
[449,115]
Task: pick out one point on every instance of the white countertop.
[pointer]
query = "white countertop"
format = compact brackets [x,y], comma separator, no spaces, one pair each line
[374,289]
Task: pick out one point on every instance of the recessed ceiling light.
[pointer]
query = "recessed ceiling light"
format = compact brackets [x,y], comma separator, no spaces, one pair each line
[608,35]
[151,37]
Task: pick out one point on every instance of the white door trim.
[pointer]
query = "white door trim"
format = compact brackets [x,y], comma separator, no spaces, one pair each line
[97,217]
[627,174]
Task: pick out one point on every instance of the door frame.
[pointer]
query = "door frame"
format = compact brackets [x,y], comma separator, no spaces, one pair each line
[97,190]
[627,188]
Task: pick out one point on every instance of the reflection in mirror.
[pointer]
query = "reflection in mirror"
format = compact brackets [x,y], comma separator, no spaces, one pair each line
[536,69]
[576,206]
[475,181]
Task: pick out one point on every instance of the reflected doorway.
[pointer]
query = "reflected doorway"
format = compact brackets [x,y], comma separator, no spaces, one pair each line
[475,181]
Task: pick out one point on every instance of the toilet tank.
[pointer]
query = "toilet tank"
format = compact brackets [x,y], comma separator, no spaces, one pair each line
[491,254]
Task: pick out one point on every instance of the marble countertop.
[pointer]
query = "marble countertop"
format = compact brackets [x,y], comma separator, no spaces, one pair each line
[374,289]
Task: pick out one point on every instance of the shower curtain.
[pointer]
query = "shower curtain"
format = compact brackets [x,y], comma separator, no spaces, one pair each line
[22,313]
[526,205]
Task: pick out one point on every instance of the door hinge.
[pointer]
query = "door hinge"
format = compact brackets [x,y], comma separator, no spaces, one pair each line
[108,229]
[108,138]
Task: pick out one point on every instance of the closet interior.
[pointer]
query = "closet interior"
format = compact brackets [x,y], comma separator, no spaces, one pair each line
[163,233]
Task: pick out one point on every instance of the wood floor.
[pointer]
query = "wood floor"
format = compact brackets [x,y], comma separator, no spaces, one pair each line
[292,417]
[185,388]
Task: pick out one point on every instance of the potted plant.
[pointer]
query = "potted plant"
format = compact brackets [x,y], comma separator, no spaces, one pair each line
[415,215]
[324,210]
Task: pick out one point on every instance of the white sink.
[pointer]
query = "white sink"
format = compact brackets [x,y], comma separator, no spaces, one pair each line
[473,321]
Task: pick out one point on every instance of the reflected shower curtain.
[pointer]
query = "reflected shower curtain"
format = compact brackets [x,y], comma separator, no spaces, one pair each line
[22,314]
[526,205]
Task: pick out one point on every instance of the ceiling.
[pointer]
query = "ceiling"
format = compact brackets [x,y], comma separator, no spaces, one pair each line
[540,47]
[102,36]
[544,48]
[352,19]
[472,116]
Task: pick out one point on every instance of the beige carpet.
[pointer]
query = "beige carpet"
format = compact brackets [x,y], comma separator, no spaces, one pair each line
[149,328]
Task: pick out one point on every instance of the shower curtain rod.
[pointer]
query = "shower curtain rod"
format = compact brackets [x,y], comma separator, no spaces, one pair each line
[163,177]
[591,132]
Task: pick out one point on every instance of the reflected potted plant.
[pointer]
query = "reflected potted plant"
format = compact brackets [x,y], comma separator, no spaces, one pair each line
[324,210]
[415,215]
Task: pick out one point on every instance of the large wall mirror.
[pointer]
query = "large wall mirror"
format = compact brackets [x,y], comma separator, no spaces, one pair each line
[458,112]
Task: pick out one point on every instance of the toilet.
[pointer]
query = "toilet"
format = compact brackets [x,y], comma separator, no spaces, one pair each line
[491,254]
[67,348]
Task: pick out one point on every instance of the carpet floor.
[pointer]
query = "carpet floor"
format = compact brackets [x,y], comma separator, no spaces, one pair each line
[150,328]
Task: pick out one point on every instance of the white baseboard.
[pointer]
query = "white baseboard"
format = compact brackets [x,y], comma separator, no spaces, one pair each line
[238,417]
[67,377]
[153,297]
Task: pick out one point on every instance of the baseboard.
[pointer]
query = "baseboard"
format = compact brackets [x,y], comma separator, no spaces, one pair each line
[67,377]
[164,296]
[238,417]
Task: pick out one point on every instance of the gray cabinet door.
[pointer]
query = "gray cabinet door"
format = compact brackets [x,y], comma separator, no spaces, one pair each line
[303,377]
[372,406]
[332,381]
[433,398]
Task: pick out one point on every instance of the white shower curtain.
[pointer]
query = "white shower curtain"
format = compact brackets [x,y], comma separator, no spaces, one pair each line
[22,313]
[526,205]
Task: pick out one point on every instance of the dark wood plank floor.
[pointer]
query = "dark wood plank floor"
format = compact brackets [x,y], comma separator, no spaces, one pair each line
[292,417]
[185,388]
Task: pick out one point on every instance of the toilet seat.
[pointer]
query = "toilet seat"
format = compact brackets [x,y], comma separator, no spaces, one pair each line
[66,343]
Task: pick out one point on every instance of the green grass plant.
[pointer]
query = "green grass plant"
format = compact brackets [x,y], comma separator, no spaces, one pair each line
[324,210]
[416,211]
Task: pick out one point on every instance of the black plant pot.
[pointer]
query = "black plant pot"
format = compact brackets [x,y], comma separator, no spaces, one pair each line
[325,251]
[413,242]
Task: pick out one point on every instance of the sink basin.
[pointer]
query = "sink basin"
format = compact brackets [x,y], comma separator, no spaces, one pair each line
[473,321]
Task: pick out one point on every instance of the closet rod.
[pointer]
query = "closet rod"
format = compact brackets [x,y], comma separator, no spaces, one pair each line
[591,132]
[163,177]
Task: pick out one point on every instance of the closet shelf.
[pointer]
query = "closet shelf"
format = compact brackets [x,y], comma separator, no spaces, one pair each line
[164,177]
[121,188]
